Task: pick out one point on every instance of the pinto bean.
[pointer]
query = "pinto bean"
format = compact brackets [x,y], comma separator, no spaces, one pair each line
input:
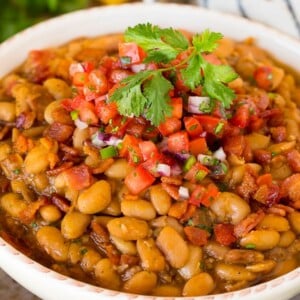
[7,111]
[233,272]
[199,285]
[173,246]
[13,204]
[294,218]
[160,199]
[262,239]
[138,208]
[274,222]
[128,228]
[50,213]
[141,283]
[241,256]
[119,169]
[286,238]
[151,257]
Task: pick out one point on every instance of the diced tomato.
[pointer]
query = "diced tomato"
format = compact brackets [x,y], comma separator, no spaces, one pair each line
[211,193]
[87,113]
[197,195]
[196,235]
[179,83]
[98,79]
[211,124]
[263,77]
[131,150]
[224,234]
[151,166]
[196,173]
[106,111]
[198,146]
[256,123]
[148,149]
[192,126]
[177,107]
[178,142]
[78,177]
[138,180]
[235,145]
[241,117]
[109,63]
[169,126]
[150,133]
[117,126]
[118,75]
[132,51]
[80,78]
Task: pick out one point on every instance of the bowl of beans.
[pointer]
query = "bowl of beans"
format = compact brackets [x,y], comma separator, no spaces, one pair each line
[144,157]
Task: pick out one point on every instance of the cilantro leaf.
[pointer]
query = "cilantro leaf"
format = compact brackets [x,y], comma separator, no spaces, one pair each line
[149,38]
[207,41]
[156,90]
[215,88]
[192,74]
[174,38]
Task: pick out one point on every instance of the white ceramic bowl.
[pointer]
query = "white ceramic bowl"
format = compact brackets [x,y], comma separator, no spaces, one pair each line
[50,285]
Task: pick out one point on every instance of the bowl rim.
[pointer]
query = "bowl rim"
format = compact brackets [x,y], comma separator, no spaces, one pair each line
[291,277]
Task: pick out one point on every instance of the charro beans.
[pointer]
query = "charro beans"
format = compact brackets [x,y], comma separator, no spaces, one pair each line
[233,272]
[128,228]
[286,238]
[95,198]
[90,259]
[125,247]
[173,246]
[74,224]
[274,222]
[13,204]
[141,283]
[294,218]
[50,213]
[119,169]
[7,111]
[151,258]
[160,199]
[52,241]
[261,239]
[199,285]
[138,208]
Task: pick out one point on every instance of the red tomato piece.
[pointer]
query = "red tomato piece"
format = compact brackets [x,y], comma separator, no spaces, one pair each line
[148,149]
[197,195]
[117,126]
[211,193]
[177,107]
[87,113]
[117,75]
[106,111]
[235,145]
[78,177]
[265,179]
[136,128]
[224,234]
[178,142]
[192,126]
[169,126]
[128,141]
[263,77]
[98,79]
[138,180]
[241,117]
[132,51]
[211,124]
[198,146]
[80,78]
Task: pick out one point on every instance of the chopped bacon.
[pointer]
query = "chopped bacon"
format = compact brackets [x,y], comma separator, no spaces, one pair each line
[64,166]
[196,235]
[59,132]
[171,180]
[267,194]
[280,209]
[28,214]
[78,177]
[290,187]
[172,190]
[262,156]
[60,202]
[293,158]
[278,134]
[247,224]
[224,234]
[248,186]
[25,120]
[130,260]
[235,145]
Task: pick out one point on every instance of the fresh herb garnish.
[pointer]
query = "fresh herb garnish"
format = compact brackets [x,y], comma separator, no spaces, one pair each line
[147,92]
[250,246]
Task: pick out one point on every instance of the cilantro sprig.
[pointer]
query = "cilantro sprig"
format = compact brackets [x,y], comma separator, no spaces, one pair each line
[147,92]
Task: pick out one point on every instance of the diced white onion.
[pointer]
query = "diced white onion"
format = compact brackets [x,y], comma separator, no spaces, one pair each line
[97,140]
[163,169]
[176,170]
[113,141]
[80,125]
[183,192]
[194,103]
[136,68]
[220,154]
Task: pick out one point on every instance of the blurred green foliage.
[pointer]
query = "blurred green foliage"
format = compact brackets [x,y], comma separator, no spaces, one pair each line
[16,15]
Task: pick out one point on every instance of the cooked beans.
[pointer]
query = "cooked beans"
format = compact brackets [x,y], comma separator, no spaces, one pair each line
[94,199]
[201,204]
[173,246]
[128,228]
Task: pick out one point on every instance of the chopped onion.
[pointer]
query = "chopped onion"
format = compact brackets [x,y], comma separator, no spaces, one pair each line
[206,160]
[220,154]
[113,141]
[183,192]
[97,139]
[80,125]
[138,68]
[176,170]
[194,103]
[163,169]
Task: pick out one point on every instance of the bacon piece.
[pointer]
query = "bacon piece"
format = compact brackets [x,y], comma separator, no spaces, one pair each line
[171,180]
[290,187]
[62,203]
[224,234]
[278,134]
[235,145]
[262,156]
[59,132]
[130,260]
[64,166]
[28,214]
[196,235]
[78,177]
[293,158]
[248,186]
[249,223]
